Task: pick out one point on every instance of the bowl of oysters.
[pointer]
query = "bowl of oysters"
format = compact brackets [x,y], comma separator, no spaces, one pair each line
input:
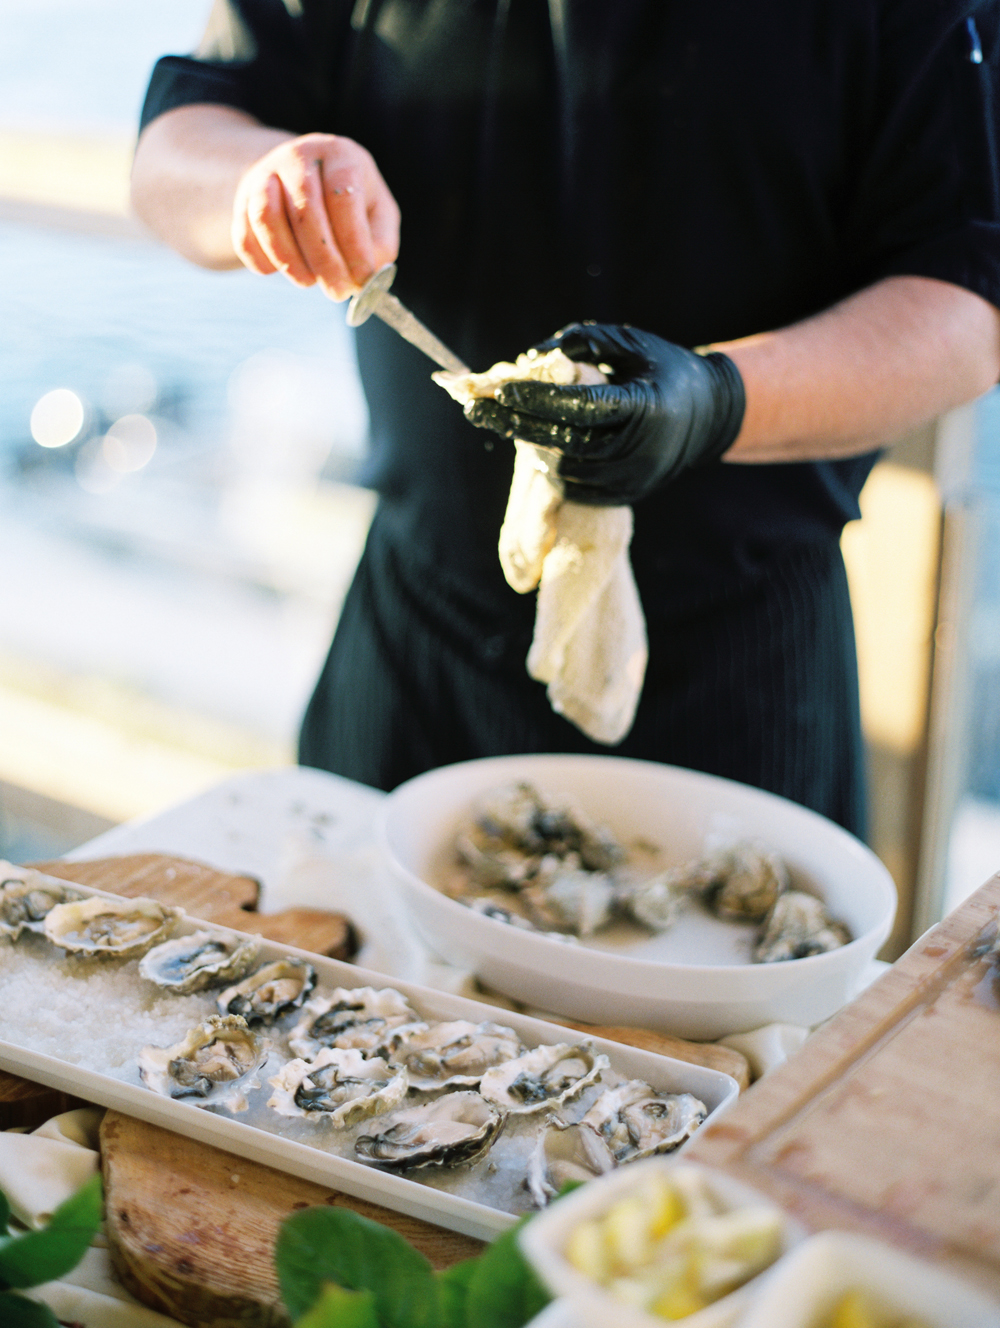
[627,892]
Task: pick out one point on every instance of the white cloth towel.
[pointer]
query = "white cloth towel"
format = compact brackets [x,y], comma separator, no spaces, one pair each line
[589,645]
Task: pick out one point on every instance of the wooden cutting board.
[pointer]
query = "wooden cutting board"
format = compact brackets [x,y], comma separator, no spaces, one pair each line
[887,1122]
[185,1237]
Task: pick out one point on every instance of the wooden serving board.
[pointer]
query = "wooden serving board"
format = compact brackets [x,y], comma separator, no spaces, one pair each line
[887,1122]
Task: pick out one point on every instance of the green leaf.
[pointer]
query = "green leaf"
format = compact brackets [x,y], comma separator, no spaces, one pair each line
[4,1213]
[39,1256]
[322,1245]
[453,1290]
[337,1308]
[504,1291]
[19,1312]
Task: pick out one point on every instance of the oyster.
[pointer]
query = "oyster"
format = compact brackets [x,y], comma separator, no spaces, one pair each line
[543,1078]
[199,961]
[269,993]
[636,1121]
[459,1052]
[118,928]
[657,901]
[742,883]
[491,909]
[26,897]
[358,1017]
[798,926]
[567,898]
[514,828]
[449,1131]
[219,1051]
[565,1153]
[344,1087]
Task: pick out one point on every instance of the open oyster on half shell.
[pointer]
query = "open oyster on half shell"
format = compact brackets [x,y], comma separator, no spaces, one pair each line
[447,1054]
[272,991]
[214,1054]
[342,1087]
[453,1130]
[636,1121]
[110,928]
[197,962]
[565,1153]
[26,897]
[352,1017]
[542,1078]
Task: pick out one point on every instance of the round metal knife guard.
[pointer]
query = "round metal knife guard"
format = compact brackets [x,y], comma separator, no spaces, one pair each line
[362,305]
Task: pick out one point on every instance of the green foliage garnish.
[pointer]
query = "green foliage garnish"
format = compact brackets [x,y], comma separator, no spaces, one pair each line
[30,1258]
[337,1269]
[33,1257]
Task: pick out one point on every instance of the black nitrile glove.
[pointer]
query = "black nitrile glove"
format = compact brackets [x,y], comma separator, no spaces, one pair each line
[665,409]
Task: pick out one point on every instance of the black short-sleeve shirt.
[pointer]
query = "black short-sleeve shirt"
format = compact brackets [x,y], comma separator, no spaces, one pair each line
[702,170]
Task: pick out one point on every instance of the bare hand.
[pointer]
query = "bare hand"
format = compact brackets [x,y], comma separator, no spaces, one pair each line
[317,210]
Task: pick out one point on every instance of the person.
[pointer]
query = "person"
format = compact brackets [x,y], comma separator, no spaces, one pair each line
[808,189]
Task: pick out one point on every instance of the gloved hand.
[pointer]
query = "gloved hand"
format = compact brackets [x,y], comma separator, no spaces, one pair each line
[664,409]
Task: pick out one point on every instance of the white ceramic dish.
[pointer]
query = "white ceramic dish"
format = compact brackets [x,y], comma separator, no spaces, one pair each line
[695,980]
[804,1287]
[544,1239]
[268,1140]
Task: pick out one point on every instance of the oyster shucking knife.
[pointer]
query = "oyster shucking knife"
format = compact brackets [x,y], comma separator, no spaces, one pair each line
[374,298]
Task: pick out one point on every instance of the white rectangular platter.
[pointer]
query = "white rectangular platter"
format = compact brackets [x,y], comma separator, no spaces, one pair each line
[55,1053]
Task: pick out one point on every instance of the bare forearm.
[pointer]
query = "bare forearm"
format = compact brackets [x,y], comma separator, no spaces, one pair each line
[860,374]
[188,165]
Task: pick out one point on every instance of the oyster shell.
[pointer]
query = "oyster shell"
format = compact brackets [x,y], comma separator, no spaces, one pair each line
[567,898]
[453,1130]
[514,828]
[636,1121]
[657,901]
[219,1051]
[269,993]
[543,1078]
[459,1052]
[343,1087]
[358,1017]
[565,1153]
[743,883]
[26,897]
[199,961]
[115,928]
[797,927]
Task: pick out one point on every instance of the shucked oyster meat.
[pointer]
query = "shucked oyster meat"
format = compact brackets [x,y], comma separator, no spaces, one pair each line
[456,1052]
[453,1130]
[358,1017]
[26,897]
[198,962]
[636,1120]
[217,1052]
[542,1078]
[271,992]
[342,1087]
[110,928]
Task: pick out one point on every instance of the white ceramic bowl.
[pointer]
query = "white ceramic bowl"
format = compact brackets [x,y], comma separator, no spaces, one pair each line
[803,1288]
[694,980]
[544,1239]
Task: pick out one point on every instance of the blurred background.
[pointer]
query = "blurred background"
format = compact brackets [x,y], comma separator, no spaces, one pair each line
[179,518]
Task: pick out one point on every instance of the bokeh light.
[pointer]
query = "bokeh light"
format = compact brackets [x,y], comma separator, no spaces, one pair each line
[57,418]
[130,443]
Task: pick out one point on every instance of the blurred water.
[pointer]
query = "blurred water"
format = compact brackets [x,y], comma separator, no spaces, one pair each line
[82,65]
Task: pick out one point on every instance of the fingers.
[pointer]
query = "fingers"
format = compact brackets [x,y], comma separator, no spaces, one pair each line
[621,347]
[316,209]
[489,414]
[589,405]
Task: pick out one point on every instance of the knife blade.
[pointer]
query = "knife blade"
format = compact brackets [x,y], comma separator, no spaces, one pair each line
[374,298]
